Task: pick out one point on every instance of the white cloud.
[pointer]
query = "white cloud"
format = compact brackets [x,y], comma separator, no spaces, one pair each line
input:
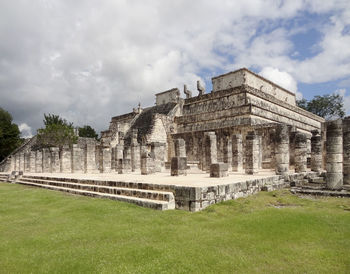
[26,131]
[346,99]
[282,78]
[87,61]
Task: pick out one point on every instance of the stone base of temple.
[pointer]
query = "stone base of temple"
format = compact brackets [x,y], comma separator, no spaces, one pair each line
[193,192]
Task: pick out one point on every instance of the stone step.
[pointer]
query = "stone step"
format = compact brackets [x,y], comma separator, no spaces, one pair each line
[149,203]
[320,192]
[133,185]
[139,193]
[317,180]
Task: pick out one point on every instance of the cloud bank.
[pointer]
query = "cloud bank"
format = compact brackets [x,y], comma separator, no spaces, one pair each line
[88,61]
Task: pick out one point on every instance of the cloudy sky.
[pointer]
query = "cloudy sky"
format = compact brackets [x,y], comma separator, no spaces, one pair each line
[90,60]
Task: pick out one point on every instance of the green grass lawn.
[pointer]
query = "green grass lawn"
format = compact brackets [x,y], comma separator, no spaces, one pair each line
[275,232]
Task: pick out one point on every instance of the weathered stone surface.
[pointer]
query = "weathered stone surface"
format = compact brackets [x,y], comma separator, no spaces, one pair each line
[334,158]
[66,160]
[210,150]
[346,150]
[316,151]
[252,153]
[282,149]
[180,147]
[219,170]
[178,166]
[237,151]
[300,152]
[55,160]
[147,164]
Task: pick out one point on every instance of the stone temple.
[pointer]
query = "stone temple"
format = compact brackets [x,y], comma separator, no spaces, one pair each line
[246,135]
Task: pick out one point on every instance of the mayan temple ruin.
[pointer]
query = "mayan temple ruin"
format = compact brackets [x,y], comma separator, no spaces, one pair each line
[244,136]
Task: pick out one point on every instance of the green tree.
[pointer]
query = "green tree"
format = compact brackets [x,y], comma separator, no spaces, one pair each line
[328,106]
[87,131]
[57,132]
[9,134]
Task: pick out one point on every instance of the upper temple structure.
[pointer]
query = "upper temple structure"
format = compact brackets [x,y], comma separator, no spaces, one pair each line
[245,125]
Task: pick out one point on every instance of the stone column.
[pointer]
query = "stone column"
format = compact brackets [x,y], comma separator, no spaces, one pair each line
[27,161]
[178,165]
[46,160]
[66,161]
[13,163]
[346,150]
[237,151]
[228,152]
[17,161]
[316,151]
[55,159]
[76,159]
[32,161]
[21,161]
[147,164]
[252,153]
[135,157]
[334,158]
[118,157]
[210,150]
[180,147]
[106,160]
[260,151]
[300,152]
[282,149]
[38,161]
[90,158]
[157,153]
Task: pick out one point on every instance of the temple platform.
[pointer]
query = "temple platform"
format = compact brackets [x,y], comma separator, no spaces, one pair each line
[193,192]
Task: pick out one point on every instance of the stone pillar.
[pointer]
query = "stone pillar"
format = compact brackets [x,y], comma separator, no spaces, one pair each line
[157,153]
[237,153]
[178,165]
[17,161]
[147,164]
[118,157]
[316,151]
[90,158]
[227,149]
[346,150]
[334,158]
[126,164]
[252,153]
[106,160]
[38,161]
[13,163]
[55,159]
[76,159]
[282,149]
[260,151]
[300,152]
[32,161]
[135,157]
[66,161]
[180,147]
[210,150]
[27,161]
[46,160]
[21,161]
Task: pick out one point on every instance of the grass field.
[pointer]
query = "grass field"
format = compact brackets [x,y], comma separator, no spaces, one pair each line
[275,232]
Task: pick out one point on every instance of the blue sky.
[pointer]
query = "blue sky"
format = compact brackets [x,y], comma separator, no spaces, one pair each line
[88,61]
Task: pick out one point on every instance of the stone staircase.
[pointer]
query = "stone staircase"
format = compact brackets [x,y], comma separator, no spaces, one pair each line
[138,193]
[316,185]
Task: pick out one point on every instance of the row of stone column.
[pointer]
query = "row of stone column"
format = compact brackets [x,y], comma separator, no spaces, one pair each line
[282,156]
[52,160]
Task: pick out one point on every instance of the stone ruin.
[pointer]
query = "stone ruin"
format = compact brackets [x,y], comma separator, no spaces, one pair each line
[246,124]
